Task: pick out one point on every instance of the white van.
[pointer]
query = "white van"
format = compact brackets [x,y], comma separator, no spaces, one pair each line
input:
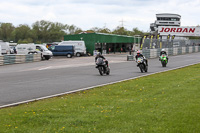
[0,49]
[80,48]
[32,48]
[5,49]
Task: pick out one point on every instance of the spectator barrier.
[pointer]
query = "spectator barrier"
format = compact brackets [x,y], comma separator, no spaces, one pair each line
[18,58]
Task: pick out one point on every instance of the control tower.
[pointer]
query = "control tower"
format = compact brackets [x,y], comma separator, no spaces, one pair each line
[165,19]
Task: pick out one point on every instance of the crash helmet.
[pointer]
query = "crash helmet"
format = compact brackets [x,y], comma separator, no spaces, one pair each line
[138,52]
[163,49]
[98,54]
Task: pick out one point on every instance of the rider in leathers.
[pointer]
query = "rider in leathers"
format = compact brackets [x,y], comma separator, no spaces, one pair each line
[141,55]
[101,56]
[163,52]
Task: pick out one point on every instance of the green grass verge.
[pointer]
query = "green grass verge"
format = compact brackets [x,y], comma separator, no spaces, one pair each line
[166,102]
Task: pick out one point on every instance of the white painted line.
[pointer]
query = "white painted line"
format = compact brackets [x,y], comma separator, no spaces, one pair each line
[44,68]
[60,94]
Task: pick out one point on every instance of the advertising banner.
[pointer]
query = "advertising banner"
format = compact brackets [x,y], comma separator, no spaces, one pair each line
[179,31]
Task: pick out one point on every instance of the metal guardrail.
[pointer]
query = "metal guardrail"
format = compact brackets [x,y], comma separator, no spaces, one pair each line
[154,53]
[168,43]
[18,58]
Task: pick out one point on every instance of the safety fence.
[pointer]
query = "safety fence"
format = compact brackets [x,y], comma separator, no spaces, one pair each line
[168,43]
[153,53]
[18,58]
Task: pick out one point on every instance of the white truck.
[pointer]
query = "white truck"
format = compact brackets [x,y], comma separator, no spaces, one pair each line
[80,48]
[33,49]
[5,49]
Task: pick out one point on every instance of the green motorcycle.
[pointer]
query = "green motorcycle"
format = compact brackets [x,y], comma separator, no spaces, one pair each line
[163,59]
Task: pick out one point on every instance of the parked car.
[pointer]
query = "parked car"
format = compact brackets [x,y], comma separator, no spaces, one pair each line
[62,50]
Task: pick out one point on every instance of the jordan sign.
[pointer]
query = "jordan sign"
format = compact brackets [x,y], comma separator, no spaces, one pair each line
[179,31]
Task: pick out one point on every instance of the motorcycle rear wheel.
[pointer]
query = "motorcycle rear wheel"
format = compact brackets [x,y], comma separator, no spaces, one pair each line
[108,71]
[146,69]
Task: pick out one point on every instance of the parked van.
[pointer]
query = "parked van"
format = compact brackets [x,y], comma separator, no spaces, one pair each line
[62,50]
[80,48]
[32,49]
[5,49]
[0,49]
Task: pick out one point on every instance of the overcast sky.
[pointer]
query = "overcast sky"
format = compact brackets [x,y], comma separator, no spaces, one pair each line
[87,14]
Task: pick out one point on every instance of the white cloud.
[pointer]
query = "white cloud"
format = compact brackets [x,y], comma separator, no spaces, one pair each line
[94,13]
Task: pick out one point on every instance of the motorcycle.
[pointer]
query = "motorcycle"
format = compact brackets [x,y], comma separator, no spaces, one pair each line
[102,67]
[142,64]
[163,59]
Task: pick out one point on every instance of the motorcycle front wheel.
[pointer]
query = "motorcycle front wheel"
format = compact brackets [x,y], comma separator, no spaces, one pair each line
[100,70]
[164,63]
[141,66]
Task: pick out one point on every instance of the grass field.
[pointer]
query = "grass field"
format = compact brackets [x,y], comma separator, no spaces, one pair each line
[168,102]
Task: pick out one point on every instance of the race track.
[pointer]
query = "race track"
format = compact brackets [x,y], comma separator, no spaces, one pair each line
[23,82]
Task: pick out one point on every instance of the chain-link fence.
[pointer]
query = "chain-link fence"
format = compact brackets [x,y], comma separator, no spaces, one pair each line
[166,43]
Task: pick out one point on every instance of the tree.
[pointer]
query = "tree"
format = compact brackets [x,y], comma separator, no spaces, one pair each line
[94,29]
[100,30]
[23,32]
[46,31]
[6,32]
[120,31]
[50,32]
[105,30]
[136,31]
[25,41]
[56,32]
[72,29]
[41,29]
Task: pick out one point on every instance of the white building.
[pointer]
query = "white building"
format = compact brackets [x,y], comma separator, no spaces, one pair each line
[165,19]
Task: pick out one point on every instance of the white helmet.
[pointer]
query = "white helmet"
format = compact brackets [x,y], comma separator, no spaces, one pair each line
[163,49]
[98,54]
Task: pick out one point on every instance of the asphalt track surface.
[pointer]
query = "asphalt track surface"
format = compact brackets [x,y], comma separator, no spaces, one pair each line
[33,81]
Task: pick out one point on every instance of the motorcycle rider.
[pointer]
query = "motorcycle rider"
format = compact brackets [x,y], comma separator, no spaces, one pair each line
[99,55]
[141,55]
[163,52]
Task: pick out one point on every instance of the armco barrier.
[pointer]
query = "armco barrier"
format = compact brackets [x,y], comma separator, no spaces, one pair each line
[146,53]
[183,50]
[17,58]
[20,58]
[170,51]
[175,51]
[37,57]
[187,49]
[158,51]
[29,58]
[190,49]
[153,53]
[196,48]
[1,60]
